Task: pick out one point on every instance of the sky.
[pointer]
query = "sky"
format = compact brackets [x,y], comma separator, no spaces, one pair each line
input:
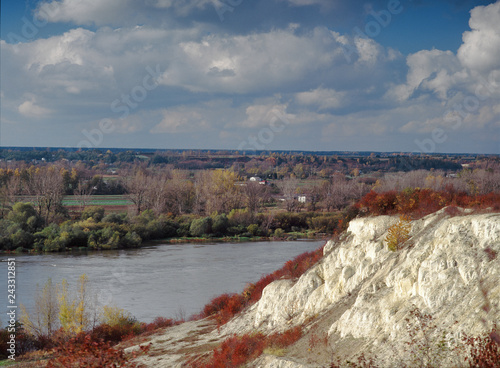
[314,75]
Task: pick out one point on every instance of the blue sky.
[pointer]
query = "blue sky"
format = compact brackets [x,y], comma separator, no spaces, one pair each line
[393,75]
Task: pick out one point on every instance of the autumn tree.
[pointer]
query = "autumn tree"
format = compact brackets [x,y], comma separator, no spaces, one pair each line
[77,312]
[44,319]
[180,193]
[337,192]
[288,189]
[136,185]
[398,233]
[45,185]
[256,195]
[216,191]
[83,193]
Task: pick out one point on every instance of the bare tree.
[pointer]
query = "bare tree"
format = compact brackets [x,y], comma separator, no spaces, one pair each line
[288,188]
[83,193]
[180,193]
[338,192]
[46,186]
[136,185]
[256,195]
[315,196]
[156,192]
[216,191]
[8,193]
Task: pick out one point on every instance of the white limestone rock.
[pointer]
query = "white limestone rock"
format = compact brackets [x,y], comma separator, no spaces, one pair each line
[441,271]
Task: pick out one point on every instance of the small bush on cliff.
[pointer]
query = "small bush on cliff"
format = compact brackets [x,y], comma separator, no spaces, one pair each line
[238,350]
[398,233]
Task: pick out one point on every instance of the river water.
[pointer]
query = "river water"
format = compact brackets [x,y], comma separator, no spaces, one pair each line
[170,280]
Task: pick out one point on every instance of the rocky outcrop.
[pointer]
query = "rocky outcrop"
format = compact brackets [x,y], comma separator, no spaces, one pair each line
[444,270]
[360,294]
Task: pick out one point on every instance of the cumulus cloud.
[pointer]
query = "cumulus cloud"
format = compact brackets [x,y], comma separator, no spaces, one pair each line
[232,83]
[278,60]
[30,109]
[481,46]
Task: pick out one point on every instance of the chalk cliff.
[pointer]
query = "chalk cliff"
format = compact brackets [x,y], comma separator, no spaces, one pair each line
[359,295]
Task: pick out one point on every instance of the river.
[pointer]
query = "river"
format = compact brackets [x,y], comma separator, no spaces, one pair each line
[168,280]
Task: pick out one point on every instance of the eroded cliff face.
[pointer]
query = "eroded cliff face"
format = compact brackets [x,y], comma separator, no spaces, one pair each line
[443,270]
[360,294]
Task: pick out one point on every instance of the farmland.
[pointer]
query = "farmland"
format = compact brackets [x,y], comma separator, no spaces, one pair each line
[111,203]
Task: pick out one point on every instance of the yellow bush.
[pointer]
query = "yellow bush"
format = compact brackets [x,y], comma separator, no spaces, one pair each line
[398,233]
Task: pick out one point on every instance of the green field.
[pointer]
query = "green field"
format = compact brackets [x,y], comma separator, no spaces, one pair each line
[99,200]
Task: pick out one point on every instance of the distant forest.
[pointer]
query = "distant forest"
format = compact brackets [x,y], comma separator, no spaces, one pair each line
[57,199]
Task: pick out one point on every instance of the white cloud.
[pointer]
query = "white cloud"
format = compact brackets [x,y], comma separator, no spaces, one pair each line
[262,115]
[119,12]
[278,60]
[83,12]
[481,46]
[322,98]
[30,109]
[180,121]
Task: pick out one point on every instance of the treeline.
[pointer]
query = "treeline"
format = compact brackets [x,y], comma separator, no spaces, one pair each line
[23,230]
[211,203]
[270,165]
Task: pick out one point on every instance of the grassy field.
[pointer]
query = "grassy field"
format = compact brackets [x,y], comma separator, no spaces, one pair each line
[99,200]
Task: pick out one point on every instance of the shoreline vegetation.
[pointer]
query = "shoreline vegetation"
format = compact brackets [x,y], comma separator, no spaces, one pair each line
[24,231]
[203,197]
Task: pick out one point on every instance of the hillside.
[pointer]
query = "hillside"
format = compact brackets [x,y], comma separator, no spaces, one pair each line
[361,297]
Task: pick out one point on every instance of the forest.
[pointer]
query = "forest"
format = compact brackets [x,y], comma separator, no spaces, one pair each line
[66,200]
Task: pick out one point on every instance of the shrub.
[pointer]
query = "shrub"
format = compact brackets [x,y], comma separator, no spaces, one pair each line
[324,224]
[236,351]
[484,351]
[131,240]
[201,226]
[279,233]
[114,218]
[223,307]
[220,224]
[25,215]
[398,233]
[253,229]
[94,212]
[84,351]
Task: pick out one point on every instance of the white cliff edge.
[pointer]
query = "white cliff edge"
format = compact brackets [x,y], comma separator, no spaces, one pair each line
[443,271]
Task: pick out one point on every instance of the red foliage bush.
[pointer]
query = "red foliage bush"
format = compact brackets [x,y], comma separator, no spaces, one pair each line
[421,202]
[226,306]
[484,351]
[292,269]
[287,338]
[83,351]
[158,322]
[223,307]
[237,350]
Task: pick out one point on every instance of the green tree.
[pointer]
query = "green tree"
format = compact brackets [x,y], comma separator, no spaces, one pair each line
[25,215]
[200,227]
[94,212]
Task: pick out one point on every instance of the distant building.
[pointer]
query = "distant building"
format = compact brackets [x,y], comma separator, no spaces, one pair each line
[302,198]
[255,178]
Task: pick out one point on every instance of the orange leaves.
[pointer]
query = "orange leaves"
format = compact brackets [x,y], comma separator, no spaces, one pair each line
[238,350]
[226,306]
[398,233]
[420,202]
